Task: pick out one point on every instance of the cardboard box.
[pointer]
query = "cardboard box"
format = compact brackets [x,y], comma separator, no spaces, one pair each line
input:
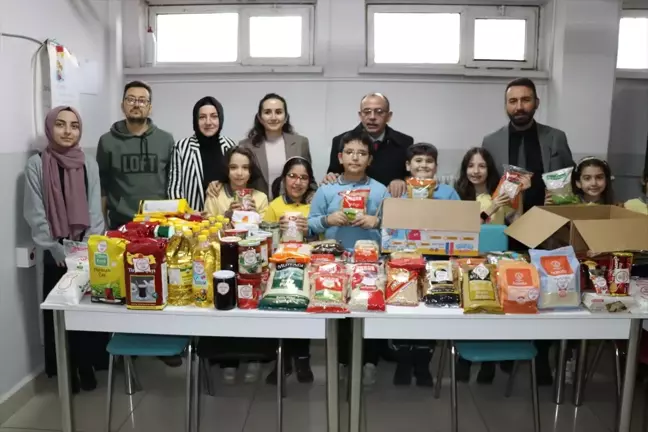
[597,228]
[431,227]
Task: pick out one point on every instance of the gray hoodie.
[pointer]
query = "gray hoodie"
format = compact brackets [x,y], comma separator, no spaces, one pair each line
[132,168]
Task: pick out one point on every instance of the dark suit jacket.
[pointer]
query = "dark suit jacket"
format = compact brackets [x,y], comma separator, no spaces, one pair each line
[296,145]
[553,145]
[388,162]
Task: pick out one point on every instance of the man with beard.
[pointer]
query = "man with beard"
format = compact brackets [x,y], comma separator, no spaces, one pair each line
[133,158]
[525,143]
[537,148]
[390,146]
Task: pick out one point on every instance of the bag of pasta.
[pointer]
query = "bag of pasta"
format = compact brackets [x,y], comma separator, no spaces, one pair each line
[354,203]
[440,285]
[420,188]
[511,184]
[479,290]
[329,293]
[519,287]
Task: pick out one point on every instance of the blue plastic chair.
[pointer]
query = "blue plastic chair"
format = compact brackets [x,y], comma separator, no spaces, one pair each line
[128,345]
[490,351]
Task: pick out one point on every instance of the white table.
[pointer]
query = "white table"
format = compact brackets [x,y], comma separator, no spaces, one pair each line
[423,322]
[192,321]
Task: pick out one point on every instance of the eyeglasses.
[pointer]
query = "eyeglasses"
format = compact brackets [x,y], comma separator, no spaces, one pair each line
[359,153]
[377,111]
[302,177]
[133,101]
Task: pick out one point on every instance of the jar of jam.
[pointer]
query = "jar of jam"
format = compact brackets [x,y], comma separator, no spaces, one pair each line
[250,260]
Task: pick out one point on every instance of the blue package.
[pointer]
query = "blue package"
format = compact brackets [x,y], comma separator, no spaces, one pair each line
[559,271]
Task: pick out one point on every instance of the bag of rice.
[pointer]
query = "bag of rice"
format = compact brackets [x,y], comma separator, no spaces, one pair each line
[519,286]
[70,289]
[288,287]
[558,184]
[402,287]
[559,277]
[329,293]
[367,286]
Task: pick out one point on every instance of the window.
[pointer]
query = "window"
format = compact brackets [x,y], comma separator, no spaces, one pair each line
[452,36]
[242,34]
[633,40]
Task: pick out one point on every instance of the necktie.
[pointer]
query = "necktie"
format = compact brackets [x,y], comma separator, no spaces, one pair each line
[377,145]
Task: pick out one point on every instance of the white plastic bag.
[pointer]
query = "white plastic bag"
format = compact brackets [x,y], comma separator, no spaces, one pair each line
[70,288]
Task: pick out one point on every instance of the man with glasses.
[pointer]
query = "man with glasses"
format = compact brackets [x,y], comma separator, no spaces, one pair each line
[133,158]
[389,146]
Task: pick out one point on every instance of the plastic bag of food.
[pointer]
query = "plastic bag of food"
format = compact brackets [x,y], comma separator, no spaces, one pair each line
[288,287]
[332,247]
[440,285]
[107,279]
[367,284]
[292,233]
[354,203]
[618,276]
[245,217]
[558,184]
[420,188]
[329,293]
[245,198]
[292,251]
[511,184]
[76,255]
[479,290]
[249,291]
[519,286]
[366,251]
[495,257]
[164,207]
[70,289]
[401,288]
[559,277]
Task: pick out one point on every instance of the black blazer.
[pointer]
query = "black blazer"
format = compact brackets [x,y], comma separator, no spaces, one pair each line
[388,161]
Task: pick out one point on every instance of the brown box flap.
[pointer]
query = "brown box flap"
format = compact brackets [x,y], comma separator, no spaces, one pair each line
[535,226]
[431,214]
[614,235]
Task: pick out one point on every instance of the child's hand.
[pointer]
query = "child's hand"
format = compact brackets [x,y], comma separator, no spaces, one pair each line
[499,202]
[214,188]
[548,199]
[249,204]
[365,221]
[337,219]
[525,182]
[330,178]
[397,188]
[236,205]
[302,224]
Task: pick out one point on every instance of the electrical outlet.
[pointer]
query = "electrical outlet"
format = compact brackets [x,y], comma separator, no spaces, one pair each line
[26,256]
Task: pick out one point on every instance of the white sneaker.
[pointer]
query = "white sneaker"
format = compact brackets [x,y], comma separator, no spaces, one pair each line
[369,374]
[229,375]
[343,372]
[569,371]
[253,372]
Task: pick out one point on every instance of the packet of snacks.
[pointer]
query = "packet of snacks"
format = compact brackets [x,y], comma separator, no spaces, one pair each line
[511,184]
[354,203]
[420,188]
[244,196]
[367,285]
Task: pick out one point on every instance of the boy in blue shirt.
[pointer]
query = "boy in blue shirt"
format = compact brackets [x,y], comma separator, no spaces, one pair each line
[415,355]
[326,215]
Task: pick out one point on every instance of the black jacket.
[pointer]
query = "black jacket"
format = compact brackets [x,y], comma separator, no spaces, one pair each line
[388,161]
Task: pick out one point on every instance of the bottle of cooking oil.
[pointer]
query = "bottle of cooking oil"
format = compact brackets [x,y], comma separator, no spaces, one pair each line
[204,225]
[212,220]
[214,239]
[204,264]
[180,268]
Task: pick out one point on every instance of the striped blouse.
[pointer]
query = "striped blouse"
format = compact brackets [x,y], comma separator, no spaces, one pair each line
[186,172]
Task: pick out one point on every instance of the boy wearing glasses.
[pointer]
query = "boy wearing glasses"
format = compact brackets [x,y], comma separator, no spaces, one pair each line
[326,213]
[133,158]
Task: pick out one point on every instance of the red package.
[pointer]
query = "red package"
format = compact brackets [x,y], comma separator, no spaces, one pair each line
[618,274]
[146,278]
[244,196]
[511,184]
[249,292]
[354,203]
[322,258]
[140,229]
[328,293]
[416,264]
[366,251]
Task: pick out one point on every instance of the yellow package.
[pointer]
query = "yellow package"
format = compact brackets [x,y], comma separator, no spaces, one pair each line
[180,270]
[153,217]
[479,289]
[107,278]
[165,207]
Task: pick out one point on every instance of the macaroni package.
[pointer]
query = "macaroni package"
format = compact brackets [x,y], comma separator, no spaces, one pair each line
[354,203]
[329,293]
[511,184]
[519,287]
[558,184]
[107,278]
[420,188]
[559,277]
[479,290]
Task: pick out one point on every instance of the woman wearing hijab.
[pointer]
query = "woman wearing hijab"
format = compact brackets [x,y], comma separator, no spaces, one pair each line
[63,201]
[198,160]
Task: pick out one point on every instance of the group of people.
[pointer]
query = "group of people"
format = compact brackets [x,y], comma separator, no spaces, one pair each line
[69,196]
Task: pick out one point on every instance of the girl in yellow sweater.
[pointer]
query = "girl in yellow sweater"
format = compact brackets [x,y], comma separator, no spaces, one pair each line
[242,170]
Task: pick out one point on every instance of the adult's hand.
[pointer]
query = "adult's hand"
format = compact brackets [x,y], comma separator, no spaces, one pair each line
[397,188]
[330,178]
[337,219]
[366,221]
[214,188]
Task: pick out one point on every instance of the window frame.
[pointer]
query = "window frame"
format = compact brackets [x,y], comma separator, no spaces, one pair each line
[528,13]
[245,12]
[468,13]
[631,13]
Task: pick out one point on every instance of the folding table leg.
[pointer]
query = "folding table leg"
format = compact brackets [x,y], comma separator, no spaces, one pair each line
[332,376]
[281,379]
[63,368]
[625,415]
[559,385]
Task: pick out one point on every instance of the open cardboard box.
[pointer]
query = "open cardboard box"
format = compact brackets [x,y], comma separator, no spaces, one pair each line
[431,227]
[597,228]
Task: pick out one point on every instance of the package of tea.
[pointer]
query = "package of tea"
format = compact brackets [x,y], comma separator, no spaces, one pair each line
[107,280]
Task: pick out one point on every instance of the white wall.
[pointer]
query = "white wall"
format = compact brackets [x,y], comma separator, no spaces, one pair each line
[80,25]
